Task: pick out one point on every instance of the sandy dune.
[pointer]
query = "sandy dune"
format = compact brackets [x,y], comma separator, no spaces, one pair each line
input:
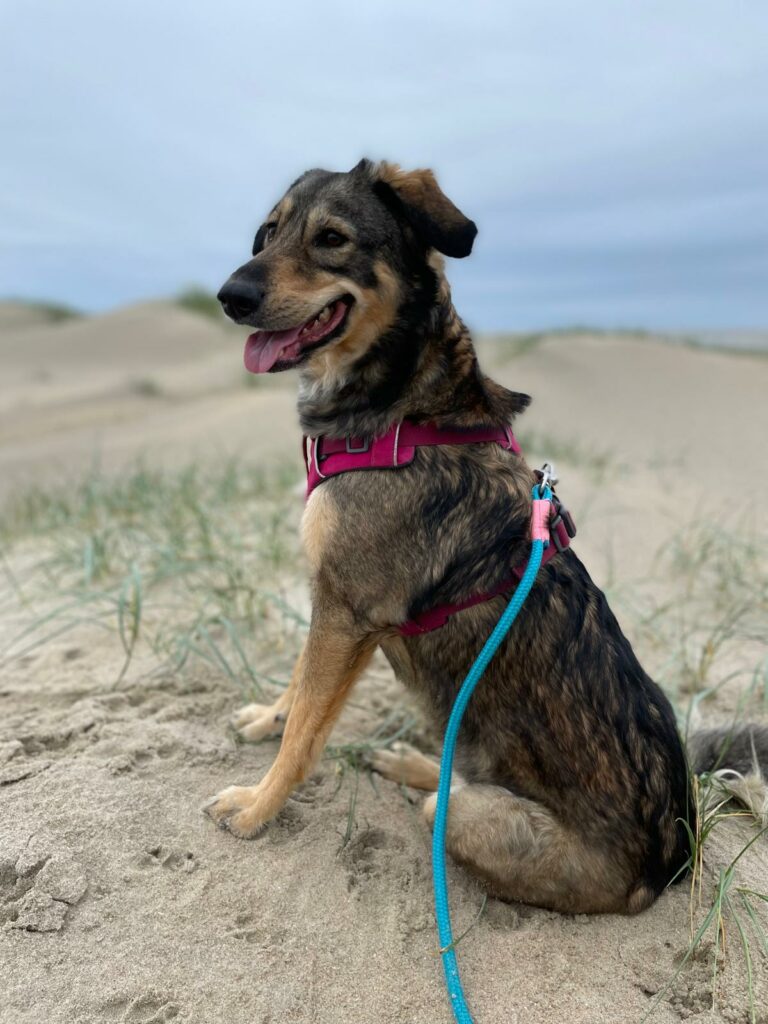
[122,903]
[152,382]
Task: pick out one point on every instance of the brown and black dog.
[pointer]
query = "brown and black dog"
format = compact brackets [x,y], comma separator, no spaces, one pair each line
[572,789]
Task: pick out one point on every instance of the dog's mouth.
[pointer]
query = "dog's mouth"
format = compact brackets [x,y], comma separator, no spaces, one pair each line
[270,351]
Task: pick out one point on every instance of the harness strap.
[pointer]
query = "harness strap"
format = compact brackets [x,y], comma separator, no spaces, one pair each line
[329,456]
[559,539]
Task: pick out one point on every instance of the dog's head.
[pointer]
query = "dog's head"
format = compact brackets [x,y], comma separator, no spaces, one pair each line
[335,260]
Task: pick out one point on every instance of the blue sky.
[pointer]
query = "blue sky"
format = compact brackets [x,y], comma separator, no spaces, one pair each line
[614,154]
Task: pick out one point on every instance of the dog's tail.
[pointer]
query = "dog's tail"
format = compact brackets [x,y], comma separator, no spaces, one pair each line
[735,761]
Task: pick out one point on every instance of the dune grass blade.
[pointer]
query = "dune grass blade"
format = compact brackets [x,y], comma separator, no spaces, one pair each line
[129,617]
[288,611]
[747,957]
[693,946]
[475,921]
[234,639]
[351,819]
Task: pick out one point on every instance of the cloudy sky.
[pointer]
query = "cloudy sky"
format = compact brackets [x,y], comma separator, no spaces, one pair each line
[614,154]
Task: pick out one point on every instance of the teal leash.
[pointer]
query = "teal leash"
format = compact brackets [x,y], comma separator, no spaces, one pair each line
[442,911]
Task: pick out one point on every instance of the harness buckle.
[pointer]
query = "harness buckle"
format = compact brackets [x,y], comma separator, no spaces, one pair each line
[352,450]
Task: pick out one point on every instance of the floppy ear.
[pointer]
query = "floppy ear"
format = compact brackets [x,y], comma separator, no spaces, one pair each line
[436,220]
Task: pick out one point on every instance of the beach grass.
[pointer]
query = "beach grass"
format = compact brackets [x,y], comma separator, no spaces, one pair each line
[203,567]
[179,565]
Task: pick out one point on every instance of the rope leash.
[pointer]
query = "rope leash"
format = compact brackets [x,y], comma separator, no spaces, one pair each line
[541,495]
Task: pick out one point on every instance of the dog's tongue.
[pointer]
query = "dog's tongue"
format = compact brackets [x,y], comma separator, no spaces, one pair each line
[264,348]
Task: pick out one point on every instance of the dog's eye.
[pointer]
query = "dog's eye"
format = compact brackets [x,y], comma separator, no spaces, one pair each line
[265,234]
[330,239]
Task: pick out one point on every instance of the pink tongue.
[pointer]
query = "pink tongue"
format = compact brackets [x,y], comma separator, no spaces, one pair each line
[264,348]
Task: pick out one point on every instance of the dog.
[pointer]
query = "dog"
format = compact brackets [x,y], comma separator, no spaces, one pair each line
[572,789]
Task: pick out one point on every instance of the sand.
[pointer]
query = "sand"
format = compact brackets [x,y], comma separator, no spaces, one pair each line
[119,901]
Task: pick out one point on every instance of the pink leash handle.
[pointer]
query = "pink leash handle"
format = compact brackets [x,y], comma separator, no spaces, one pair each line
[542,509]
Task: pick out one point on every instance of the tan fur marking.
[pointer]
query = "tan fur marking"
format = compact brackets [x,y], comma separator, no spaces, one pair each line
[419,188]
[416,187]
[321,217]
[318,525]
[295,295]
[373,313]
[283,209]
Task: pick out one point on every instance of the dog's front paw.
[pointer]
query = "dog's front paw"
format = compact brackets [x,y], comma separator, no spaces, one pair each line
[259,722]
[238,810]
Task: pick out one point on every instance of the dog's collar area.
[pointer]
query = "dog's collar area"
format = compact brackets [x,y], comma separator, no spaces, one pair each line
[329,456]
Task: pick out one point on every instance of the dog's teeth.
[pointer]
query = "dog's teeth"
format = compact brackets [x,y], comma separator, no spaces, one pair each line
[325,315]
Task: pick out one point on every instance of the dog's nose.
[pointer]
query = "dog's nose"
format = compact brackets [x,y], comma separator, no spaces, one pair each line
[240,299]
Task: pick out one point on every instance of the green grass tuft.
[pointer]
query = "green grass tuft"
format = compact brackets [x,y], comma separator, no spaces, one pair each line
[728,905]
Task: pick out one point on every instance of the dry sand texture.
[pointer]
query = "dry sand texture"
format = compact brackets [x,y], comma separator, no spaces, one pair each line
[119,901]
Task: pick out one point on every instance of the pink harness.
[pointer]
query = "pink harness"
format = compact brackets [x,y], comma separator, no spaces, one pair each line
[325,457]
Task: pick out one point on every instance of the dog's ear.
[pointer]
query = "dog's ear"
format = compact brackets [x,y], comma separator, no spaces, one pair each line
[419,199]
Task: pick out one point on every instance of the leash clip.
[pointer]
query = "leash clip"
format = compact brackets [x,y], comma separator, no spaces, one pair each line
[546,477]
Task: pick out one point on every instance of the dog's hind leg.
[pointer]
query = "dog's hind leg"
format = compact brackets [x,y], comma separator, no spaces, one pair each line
[521,851]
[405,764]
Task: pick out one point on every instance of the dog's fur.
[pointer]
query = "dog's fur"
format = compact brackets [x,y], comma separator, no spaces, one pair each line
[572,789]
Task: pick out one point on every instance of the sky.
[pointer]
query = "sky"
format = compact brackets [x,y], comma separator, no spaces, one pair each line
[614,154]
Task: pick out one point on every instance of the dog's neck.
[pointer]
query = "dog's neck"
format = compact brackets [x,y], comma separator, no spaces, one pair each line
[424,369]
